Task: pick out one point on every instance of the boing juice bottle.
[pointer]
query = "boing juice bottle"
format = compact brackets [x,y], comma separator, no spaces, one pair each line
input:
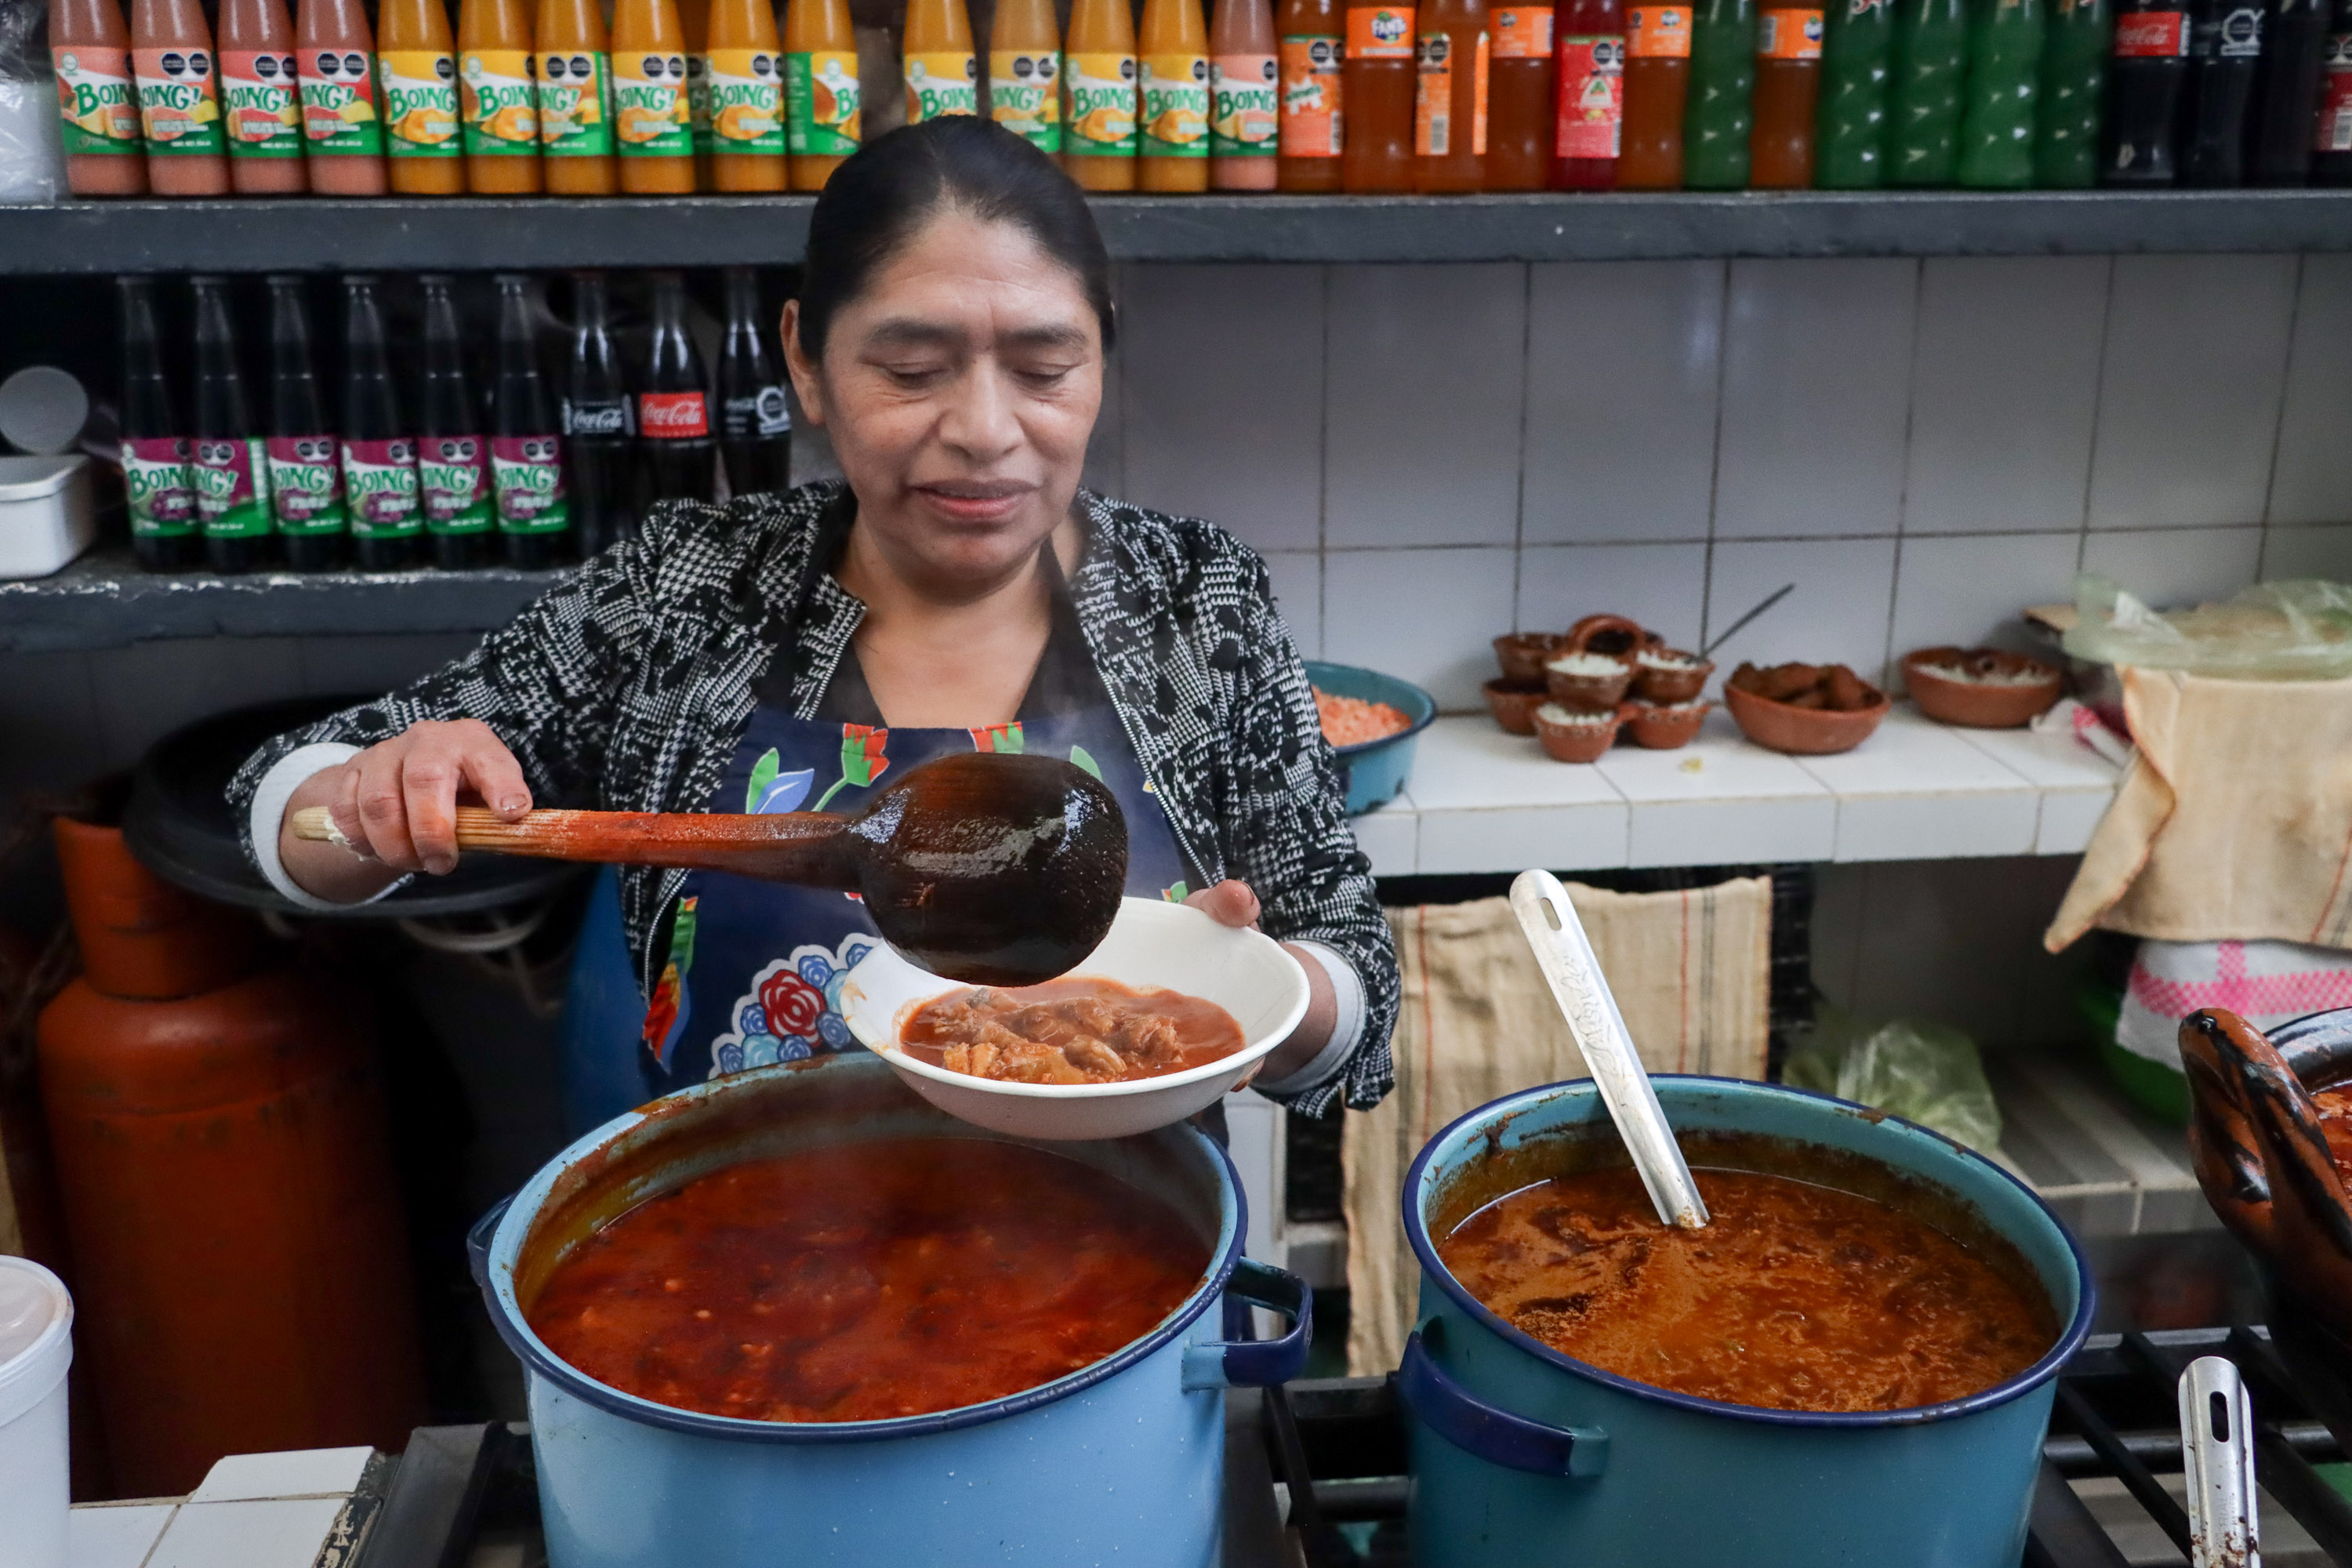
[574,66]
[746,86]
[1244,97]
[89,50]
[336,50]
[1657,88]
[499,101]
[416,78]
[823,106]
[231,467]
[1589,121]
[942,73]
[1024,72]
[261,112]
[1449,110]
[1522,98]
[1378,85]
[1174,73]
[1314,41]
[1098,90]
[651,114]
[179,98]
[694,18]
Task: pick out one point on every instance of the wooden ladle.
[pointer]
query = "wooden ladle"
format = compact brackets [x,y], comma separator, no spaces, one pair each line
[987,867]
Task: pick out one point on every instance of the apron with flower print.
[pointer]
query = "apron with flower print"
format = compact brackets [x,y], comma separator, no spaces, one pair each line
[755,968]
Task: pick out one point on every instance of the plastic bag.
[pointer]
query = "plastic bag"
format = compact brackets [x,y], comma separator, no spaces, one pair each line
[32,150]
[2273,631]
[1922,1071]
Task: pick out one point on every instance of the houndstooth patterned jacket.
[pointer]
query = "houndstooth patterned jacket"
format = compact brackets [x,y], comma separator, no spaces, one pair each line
[628,687]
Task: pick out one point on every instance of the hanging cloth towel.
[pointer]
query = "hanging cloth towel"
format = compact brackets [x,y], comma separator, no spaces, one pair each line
[2267,983]
[1691,974]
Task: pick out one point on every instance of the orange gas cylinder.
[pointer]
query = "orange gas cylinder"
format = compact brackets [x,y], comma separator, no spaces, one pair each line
[219,1130]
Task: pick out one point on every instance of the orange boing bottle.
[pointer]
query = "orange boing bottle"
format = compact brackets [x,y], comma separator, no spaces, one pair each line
[941,71]
[1025,76]
[1449,110]
[498,101]
[575,99]
[651,114]
[98,101]
[824,108]
[1173,111]
[1378,87]
[1520,97]
[416,64]
[1314,41]
[261,109]
[179,102]
[218,1126]
[1099,100]
[745,83]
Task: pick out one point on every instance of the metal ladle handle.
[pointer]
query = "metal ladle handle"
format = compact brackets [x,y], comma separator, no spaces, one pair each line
[1564,956]
[2217,1450]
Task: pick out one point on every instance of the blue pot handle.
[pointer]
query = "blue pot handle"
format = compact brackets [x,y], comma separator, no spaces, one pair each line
[1487,1432]
[1257,1363]
[477,1240]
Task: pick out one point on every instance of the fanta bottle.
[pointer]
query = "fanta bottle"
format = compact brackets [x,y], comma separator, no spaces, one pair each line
[1099,91]
[1522,103]
[651,113]
[261,112]
[179,98]
[335,49]
[1244,97]
[942,71]
[1657,85]
[745,84]
[1379,87]
[575,99]
[1024,72]
[496,101]
[1449,110]
[1173,103]
[90,48]
[416,78]
[1314,42]
[823,107]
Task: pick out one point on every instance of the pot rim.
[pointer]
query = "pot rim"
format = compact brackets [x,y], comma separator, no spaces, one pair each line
[497,1286]
[1425,1251]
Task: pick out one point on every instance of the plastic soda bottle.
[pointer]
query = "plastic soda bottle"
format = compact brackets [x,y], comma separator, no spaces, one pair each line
[2074,41]
[674,407]
[1172,99]
[694,18]
[1451,57]
[230,468]
[745,85]
[525,453]
[599,423]
[942,73]
[1850,134]
[306,480]
[163,501]
[822,103]
[2225,47]
[573,64]
[2151,64]
[416,81]
[1931,56]
[98,102]
[179,98]
[1657,90]
[2331,141]
[1024,72]
[453,458]
[1788,97]
[336,49]
[261,113]
[1523,95]
[2005,42]
[1379,84]
[755,417]
[1588,128]
[497,99]
[1245,96]
[1313,41]
[651,115]
[2286,92]
[1721,111]
[1099,99]
[378,449]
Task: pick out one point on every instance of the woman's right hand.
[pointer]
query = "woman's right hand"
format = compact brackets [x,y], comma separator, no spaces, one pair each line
[397,802]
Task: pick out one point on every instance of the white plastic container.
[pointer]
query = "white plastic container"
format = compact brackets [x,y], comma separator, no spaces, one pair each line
[46,513]
[36,1349]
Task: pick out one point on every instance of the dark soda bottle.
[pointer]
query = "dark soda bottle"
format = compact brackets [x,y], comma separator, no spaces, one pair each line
[2279,139]
[379,448]
[755,420]
[599,425]
[2331,141]
[452,457]
[2074,45]
[2143,82]
[674,407]
[162,499]
[526,445]
[1720,111]
[230,467]
[305,475]
[1857,61]
[2225,48]
[1923,101]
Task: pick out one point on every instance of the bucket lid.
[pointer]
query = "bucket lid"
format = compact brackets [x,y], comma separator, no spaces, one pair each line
[36,1334]
[43,408]
[30,478]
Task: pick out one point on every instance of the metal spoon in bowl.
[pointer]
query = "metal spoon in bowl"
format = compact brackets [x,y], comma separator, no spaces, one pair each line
[1564,956]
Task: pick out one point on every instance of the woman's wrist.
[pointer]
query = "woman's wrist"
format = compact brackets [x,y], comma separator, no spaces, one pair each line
[1329,1034]
[310,875]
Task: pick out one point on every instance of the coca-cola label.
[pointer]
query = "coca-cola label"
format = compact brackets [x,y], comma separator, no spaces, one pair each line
[155,476]
[673,416]
[2152,34]
[306,485]
[528,470]
[453,476]
[764,414]
[2334,127]
[606,416]
[231,474]
[380,478]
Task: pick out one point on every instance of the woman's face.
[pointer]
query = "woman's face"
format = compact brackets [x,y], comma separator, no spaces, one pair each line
[959,389]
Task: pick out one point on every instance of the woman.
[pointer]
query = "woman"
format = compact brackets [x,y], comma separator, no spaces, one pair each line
[782,652]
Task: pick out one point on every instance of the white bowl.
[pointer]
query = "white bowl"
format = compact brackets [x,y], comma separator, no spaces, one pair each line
[1151,943]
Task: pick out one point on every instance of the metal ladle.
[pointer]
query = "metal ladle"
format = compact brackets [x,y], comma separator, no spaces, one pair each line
[1564,956]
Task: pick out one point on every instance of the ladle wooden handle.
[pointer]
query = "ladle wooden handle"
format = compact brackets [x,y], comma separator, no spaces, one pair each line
[801,846]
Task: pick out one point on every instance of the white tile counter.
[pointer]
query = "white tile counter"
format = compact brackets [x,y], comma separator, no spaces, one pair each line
[1481,801]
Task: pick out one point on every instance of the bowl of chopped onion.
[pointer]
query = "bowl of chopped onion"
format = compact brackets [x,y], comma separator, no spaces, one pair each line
[1371,719]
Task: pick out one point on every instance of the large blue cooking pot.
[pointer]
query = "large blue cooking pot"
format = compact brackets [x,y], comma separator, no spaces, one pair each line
[1122,1461]
[1522,1455]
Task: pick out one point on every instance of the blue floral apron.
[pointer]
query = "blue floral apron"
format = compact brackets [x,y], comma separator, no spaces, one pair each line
[755,968]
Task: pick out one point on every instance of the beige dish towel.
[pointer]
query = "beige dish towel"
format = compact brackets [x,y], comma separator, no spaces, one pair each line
[2233,823]
[1691,974]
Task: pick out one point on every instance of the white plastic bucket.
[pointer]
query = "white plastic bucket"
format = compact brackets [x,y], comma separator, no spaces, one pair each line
[35,1348]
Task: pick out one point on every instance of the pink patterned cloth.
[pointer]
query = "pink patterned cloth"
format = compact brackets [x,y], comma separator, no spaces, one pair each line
[2265,982]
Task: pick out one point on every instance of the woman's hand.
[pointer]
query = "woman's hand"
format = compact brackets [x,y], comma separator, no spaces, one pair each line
[1232,903]
[397,802]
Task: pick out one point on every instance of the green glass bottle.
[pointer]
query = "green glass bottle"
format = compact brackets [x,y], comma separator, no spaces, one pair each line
[1931,58]
[1719,111]
[2005,42]
[1857,58]
[2075,41]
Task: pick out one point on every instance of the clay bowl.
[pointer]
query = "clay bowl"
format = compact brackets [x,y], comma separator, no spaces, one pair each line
[2001,701]
[1667,676]
[1612,634]
[1572,735]
[1802,731]
[1514,705]
[1664,727]
[1521,655]
[1593,682]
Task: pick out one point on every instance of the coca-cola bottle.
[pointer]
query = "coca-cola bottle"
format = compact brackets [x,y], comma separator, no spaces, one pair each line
[2225,48]
[379,449]
[163,533]
[674,407]
[526,447]
[755,420]
[2144,80]
[230,467]
[306,476]
[453,458]
[2279,140]
[599,425]
[2331,141]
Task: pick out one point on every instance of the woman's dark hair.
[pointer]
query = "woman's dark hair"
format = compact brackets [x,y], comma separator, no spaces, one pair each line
[888,189]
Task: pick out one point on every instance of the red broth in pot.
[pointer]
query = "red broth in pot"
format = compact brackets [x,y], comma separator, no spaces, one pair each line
[870,1280]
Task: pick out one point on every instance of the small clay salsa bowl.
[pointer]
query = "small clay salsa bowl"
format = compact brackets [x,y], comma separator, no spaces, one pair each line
[1609,634]
[1575,736]
[1665,727]
[1805,710]
[1666,676]
[1521,655]
[1593,682]
[1514,704]
[1980,688]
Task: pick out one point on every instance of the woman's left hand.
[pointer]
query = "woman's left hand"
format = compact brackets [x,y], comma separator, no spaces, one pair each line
[1232,903]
